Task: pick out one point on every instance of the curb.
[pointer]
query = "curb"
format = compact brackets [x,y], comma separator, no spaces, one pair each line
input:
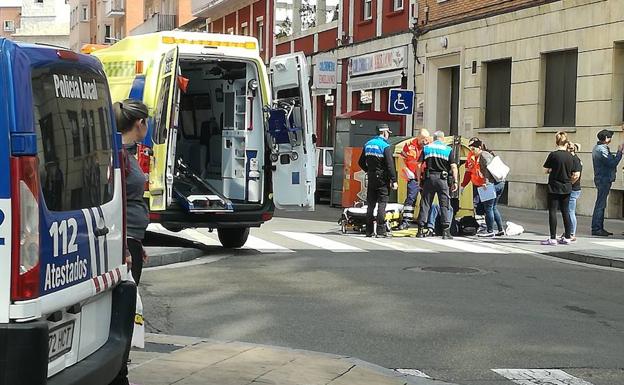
[183,341]
[588,258]
[160,256]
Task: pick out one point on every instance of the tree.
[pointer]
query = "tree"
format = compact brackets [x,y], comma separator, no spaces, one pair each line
[308,15]
[284,28]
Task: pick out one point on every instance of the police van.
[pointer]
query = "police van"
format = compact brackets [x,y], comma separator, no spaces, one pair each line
[227,141]
[66,309]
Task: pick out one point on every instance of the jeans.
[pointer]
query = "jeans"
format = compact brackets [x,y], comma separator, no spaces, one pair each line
[573,197]
[601,205]
[491,210]
[562,202]
[433,215]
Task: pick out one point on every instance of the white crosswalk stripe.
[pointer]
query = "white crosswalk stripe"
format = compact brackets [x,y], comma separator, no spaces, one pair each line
[413,372]
[320,242]
[263,246]
[540,377]
[397,246]
[465,246]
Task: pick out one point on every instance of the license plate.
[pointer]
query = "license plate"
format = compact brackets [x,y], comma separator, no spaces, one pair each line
[60,340]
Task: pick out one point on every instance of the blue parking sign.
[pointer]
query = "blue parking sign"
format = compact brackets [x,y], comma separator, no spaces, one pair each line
[401,102]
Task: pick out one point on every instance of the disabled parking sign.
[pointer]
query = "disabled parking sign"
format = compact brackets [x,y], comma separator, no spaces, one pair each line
[401,102]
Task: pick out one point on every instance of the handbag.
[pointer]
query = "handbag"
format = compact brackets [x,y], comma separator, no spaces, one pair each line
[498,169]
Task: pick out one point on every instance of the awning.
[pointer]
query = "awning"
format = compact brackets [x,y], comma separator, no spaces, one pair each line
[376,81]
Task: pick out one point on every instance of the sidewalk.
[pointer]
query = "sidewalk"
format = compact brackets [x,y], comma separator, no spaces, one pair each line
[194,361]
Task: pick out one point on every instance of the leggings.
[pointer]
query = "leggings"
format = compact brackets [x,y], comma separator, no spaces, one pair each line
[562,202]
[136,251]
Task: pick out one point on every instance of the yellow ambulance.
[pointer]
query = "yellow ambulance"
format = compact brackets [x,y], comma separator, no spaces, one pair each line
[228,139]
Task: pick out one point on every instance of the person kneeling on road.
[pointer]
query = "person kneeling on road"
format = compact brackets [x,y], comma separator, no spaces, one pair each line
[440,179]
[411,156]
[377,161]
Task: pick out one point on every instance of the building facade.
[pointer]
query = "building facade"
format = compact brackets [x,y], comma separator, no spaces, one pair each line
[44,21]
[10,16]
[516,76]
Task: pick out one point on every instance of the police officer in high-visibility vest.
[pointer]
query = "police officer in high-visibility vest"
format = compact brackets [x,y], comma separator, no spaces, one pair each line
[440,178]
[377,161]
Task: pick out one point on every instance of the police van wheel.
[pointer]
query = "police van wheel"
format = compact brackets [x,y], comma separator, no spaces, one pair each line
[233,238]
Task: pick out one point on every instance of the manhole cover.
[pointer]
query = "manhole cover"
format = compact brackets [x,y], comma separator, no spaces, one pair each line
[448,270]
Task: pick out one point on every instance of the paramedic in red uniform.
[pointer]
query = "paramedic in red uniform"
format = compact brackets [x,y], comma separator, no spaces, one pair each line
[376,160]
[411,155]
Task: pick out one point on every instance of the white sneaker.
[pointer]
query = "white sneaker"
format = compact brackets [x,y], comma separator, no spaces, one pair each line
[487,234]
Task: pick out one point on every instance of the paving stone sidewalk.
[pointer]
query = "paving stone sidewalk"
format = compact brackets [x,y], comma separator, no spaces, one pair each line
[195,361]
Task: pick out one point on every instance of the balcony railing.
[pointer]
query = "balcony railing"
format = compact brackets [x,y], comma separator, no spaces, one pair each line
[115,8]
[156,23]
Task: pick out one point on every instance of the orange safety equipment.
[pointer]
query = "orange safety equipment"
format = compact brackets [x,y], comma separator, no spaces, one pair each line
[473,171]
[411,155]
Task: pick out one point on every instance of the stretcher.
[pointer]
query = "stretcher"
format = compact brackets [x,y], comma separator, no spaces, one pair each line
[354,218]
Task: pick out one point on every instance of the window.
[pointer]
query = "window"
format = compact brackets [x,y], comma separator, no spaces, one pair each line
[260,34]
[84,14]
[367,11]
[9,26]
[498,93]
[560,89]
[74,166]
[108,34]
[244,29]
[230,31]
[397,5]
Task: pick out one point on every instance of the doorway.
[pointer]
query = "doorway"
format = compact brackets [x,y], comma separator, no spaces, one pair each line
[447,118]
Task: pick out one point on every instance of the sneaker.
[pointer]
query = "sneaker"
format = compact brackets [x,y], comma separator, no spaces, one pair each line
[601,233]
[487,234]
[382,235]
[564,241]
[549,242]
[430,233]
[369,235]
[501,233]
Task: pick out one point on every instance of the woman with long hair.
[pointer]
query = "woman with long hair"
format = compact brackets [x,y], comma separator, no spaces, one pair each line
[574,148]
[561,170]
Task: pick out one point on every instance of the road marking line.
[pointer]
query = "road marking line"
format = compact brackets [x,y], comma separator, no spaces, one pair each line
[318,241]
[398,247]
[470,247]
[618,244]
[412,372]
[540,377]
[194,262]
[263,246]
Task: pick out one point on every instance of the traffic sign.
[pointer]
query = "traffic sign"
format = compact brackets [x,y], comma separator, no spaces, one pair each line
[401,102]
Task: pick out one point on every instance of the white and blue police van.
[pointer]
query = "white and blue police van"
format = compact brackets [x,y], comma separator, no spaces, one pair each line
[66,307]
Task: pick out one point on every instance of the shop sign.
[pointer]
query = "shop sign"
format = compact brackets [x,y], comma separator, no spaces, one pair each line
[325,72]
[391,59]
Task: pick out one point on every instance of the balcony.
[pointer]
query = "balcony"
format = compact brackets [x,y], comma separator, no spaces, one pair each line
[115,8]
[156,23]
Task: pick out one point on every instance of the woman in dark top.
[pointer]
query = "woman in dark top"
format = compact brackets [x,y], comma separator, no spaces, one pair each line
[574,148]
[560,169]
[130,116]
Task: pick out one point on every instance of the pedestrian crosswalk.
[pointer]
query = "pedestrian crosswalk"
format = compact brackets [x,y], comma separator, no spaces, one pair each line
[520,376]
[283,241]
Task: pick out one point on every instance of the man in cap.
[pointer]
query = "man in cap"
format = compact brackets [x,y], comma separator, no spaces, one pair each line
[605,166]
[440,179]
[377,161]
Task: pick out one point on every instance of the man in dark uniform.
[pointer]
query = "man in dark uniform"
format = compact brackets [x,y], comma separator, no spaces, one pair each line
[440,178]
[377,161]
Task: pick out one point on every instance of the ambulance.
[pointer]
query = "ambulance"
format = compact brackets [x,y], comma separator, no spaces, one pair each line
[66,308]
[227,140]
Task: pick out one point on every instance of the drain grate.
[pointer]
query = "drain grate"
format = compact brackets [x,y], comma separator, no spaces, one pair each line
[448,270]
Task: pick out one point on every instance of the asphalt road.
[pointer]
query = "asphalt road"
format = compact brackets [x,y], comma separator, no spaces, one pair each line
[505,310]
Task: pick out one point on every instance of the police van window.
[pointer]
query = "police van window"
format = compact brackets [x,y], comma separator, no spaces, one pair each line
[74,150]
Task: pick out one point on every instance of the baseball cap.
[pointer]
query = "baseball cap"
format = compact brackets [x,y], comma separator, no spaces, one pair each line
[604,134]
[383,127]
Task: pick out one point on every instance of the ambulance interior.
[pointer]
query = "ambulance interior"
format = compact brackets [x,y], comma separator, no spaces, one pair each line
[220,142]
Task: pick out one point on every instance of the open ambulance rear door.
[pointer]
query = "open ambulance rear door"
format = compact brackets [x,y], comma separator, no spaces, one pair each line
[293,155]
[164,133]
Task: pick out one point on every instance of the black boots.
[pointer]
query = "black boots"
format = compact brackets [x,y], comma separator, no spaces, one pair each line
[420,233]
[447,233]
